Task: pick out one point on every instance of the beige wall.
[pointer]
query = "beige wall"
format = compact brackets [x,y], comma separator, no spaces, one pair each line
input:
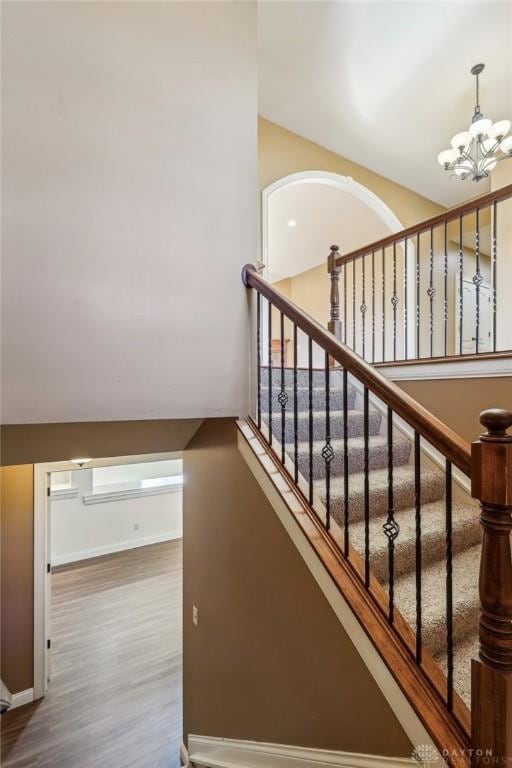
[269,660]
[17,553]
[458,402]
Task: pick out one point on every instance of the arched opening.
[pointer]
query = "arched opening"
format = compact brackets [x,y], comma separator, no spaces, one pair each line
[302,215]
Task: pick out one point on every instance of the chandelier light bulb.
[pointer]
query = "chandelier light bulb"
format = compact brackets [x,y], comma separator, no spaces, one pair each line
[499,130]
[506,145]
[476,152]
[461,140]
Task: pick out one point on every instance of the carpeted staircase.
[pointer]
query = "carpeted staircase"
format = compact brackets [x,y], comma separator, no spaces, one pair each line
[466,528]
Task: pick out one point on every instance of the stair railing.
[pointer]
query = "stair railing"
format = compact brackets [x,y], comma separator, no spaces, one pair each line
[314,376]
[429,291]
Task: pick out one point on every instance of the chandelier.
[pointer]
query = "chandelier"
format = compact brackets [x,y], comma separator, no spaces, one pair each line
[475,152]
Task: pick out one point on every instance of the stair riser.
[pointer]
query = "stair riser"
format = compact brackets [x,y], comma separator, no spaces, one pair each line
[335,400]
[355,426]
[377,460]
[465,623]
[404,498]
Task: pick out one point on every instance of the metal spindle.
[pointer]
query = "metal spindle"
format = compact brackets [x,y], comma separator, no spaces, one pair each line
[418,293]
[477,280]
[449,588]
[394,301]
[391,527]
[366,432]
[363,306]
[494,272]
[345,462]
[461,283]
[345,303]
[373,306]
[283,396]
[446,288]
[327,450]
[310,381]
[383,304]
[406,303]
[258,357]
[431,292]
[295,408]
[354,304]
[269,373]
[417,505]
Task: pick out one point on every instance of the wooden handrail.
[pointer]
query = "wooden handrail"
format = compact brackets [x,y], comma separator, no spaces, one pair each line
[451,445]
[450,215]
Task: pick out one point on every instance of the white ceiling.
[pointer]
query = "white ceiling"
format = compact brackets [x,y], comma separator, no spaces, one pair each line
[324,215]
[386,84]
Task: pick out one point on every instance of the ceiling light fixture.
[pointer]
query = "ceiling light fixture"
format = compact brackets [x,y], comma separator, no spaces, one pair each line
[80,462]
[475,152]
[292,223]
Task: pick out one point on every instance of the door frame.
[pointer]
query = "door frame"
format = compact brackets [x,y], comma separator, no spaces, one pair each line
[466,279]
[42,552]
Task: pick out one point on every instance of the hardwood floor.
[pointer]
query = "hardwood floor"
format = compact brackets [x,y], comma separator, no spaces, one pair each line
[115,696]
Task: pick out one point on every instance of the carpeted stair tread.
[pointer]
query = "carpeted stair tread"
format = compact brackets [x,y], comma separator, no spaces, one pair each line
[466,533]
[355,424]
[378,455]
[318,396]
[433,579]
[464,651]
[432,489]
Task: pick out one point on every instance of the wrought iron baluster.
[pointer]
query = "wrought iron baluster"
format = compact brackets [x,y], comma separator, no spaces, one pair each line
[391,527]
[383,304]
[366,432]
[494,272]
[477,280]
[295,408]
[310,382]
[345,463]
[445,288]
[406,302]
[461,282]
[418,294]
[373,306]
[417,505]
[394,300]
[449,588]
[431,292]
[354,304]
[270,395]
[283,397]
[258,356]
[327,450]
[345,303]
[363,306]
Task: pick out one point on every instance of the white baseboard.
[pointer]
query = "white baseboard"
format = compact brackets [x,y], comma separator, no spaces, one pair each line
[184,756]
[209,752]
[108,549]
[21,698]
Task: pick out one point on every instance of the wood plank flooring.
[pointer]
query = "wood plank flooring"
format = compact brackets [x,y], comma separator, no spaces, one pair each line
[115,696]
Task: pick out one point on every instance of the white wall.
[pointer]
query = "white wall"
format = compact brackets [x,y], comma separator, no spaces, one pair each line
[129,204]
[80,531]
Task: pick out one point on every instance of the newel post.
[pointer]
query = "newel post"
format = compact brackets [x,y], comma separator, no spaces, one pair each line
[334,324]
[491,671]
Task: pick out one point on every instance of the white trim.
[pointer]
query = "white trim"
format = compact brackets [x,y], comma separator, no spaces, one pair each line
[22,698]
[456,369]
[108,549]
[366,196]
[233,753]
[63,493]
[282,500]
[184,756]
[131,493]
[42,557]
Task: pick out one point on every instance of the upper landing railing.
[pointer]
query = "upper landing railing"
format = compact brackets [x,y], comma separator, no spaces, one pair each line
[434,290]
